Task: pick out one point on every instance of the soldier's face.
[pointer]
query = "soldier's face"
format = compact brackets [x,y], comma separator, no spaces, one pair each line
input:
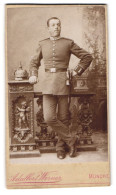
[54,28]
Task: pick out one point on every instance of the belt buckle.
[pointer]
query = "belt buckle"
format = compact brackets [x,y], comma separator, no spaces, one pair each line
[52,69]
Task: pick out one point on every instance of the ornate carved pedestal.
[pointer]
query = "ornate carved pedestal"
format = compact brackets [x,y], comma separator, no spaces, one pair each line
[82,112]
[25,140]
[21,119]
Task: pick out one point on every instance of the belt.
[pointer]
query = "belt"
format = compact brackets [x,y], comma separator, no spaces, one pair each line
[55,70]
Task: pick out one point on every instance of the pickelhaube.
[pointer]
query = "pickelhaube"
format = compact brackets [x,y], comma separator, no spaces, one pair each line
[20,74]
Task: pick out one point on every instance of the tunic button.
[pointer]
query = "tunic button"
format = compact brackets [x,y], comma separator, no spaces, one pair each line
[53,61]
[53,49]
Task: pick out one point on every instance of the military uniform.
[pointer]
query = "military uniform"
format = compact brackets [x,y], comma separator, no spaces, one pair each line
[56,55]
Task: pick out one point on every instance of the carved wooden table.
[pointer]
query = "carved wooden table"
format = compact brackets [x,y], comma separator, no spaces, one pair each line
[27,141]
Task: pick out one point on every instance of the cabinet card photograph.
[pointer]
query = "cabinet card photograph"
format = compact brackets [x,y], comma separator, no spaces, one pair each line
[57,127]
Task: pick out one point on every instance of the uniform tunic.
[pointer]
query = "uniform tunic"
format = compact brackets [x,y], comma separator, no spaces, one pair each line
[56,54]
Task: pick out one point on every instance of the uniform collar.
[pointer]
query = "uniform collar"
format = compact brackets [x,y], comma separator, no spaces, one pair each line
[54,38]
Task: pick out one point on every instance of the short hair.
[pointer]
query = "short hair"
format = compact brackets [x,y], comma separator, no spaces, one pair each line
[52,18]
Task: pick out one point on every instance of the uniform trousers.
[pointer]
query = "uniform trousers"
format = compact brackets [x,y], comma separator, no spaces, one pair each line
[56,115]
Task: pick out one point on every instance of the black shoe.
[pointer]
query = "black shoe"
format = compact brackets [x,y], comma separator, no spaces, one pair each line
[61,154]
[72,151]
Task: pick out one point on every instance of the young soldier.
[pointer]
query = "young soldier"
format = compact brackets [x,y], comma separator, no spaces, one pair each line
[56,52]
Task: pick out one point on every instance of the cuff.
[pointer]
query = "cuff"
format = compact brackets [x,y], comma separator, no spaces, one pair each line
[79,70]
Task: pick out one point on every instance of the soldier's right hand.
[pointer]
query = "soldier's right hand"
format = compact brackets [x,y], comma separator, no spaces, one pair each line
[33,80]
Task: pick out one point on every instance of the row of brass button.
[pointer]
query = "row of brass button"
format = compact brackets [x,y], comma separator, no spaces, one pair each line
[54,53]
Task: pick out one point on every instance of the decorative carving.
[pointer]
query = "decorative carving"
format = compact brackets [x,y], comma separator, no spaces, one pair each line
[21,87]
[22,115]
[22,110]
[22,148]
[22,138]
[85,115]
[81,119]
[74,126]
[14,149]
[39,115]
[31,148]
[45,134]
[80,84]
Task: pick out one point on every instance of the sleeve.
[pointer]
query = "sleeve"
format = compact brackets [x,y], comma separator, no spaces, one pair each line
[84,56]
[36,62]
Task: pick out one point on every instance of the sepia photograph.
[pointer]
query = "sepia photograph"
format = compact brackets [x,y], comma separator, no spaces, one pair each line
[57,92]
